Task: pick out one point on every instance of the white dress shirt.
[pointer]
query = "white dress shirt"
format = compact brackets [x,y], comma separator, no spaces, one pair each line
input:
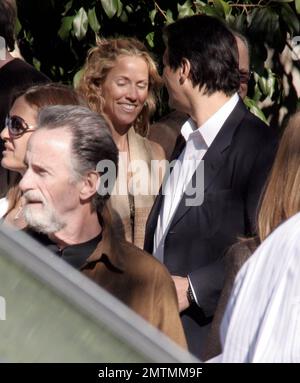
[262,318]
[198,140]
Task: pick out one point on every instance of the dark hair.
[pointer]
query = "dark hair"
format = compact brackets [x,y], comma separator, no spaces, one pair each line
[8,18]
[211,50]
[91,139]
[41,95]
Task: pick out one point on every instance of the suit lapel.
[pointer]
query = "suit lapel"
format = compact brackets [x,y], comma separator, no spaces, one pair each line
[152,218]
[214,157]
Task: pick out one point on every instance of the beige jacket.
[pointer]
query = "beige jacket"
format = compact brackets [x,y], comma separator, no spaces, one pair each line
[144,186]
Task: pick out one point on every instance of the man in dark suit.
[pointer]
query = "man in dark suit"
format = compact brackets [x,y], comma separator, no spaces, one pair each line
[190,234]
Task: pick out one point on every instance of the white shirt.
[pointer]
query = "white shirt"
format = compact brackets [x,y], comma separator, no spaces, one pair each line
[262,318]
[3,206]
[198,140]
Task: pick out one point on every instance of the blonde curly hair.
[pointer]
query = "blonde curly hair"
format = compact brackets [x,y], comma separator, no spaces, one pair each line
[101,59]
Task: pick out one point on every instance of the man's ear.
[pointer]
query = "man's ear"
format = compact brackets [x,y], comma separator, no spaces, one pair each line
[89,185]
[185,69]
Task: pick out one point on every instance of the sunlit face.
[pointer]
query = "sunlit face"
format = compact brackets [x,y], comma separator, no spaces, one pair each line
[15,147]
[51,193]
[171,81]
[125,91]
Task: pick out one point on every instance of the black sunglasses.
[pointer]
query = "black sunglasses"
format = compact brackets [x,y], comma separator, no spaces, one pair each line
[17,126]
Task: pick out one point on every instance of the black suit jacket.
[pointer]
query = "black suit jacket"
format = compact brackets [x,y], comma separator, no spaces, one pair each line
[236,166]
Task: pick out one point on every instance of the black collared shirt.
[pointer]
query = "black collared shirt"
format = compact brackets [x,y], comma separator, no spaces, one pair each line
[75,255]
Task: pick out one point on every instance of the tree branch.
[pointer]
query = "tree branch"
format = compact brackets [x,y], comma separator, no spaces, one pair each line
[160,10]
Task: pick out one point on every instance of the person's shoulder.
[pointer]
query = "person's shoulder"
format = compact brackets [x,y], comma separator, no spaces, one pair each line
[252,131]
[239,252]
[255,125]
[21,68]
[139,261]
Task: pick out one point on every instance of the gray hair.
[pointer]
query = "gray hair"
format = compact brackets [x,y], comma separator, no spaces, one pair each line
[91,139]
[244,40]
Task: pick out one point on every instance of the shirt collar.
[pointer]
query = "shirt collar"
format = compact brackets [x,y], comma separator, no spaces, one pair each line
[212,126]
[104,247]
[109,248]
[76,255]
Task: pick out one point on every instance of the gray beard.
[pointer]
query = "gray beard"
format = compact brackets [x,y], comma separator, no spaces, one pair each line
[45,221]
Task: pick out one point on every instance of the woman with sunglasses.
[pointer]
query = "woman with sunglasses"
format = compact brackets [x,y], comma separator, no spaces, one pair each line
[19,125]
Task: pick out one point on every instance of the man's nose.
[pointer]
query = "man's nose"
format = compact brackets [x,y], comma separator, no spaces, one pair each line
[25,183]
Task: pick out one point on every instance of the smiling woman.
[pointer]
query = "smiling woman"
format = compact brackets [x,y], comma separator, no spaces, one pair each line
[120,79]
[19,125]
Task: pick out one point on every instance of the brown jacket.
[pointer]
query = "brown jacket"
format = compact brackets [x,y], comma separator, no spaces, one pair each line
[139,281]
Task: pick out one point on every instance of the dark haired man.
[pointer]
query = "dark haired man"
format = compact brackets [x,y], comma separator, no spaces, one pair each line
[166,130]
[66,156]
[202,77]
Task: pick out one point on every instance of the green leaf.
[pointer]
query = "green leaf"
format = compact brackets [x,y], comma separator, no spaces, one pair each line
[210,11]
[222,7]
[152,15]
[129,10]
[120,8]
[257,93]
[93,21]
[240,22]
[68,6]
[65,28]
[262,81]
[290,19]
[252,106]
[265,22]
[150,38]
[297,6]
[18,27]
[77,78]
[124,17]
[80,24]
[185,9]
[110,7]
[36,63]
[169,17]
[271,81]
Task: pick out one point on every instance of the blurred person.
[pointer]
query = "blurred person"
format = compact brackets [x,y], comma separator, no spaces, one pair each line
[167,129]
[14,73]
[65,205]
[261,321]
[280,201]
[244,63]
[202,77]
[121,80]
[20,123]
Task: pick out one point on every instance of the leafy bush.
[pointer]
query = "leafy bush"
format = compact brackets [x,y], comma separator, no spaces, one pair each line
[55,36]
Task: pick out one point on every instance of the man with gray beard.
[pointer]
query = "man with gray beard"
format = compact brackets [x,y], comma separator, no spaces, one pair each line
[70,218]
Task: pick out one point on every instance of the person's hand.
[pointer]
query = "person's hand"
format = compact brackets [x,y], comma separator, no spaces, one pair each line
[181,284]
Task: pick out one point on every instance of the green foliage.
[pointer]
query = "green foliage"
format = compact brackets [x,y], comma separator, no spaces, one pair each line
[57,34]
